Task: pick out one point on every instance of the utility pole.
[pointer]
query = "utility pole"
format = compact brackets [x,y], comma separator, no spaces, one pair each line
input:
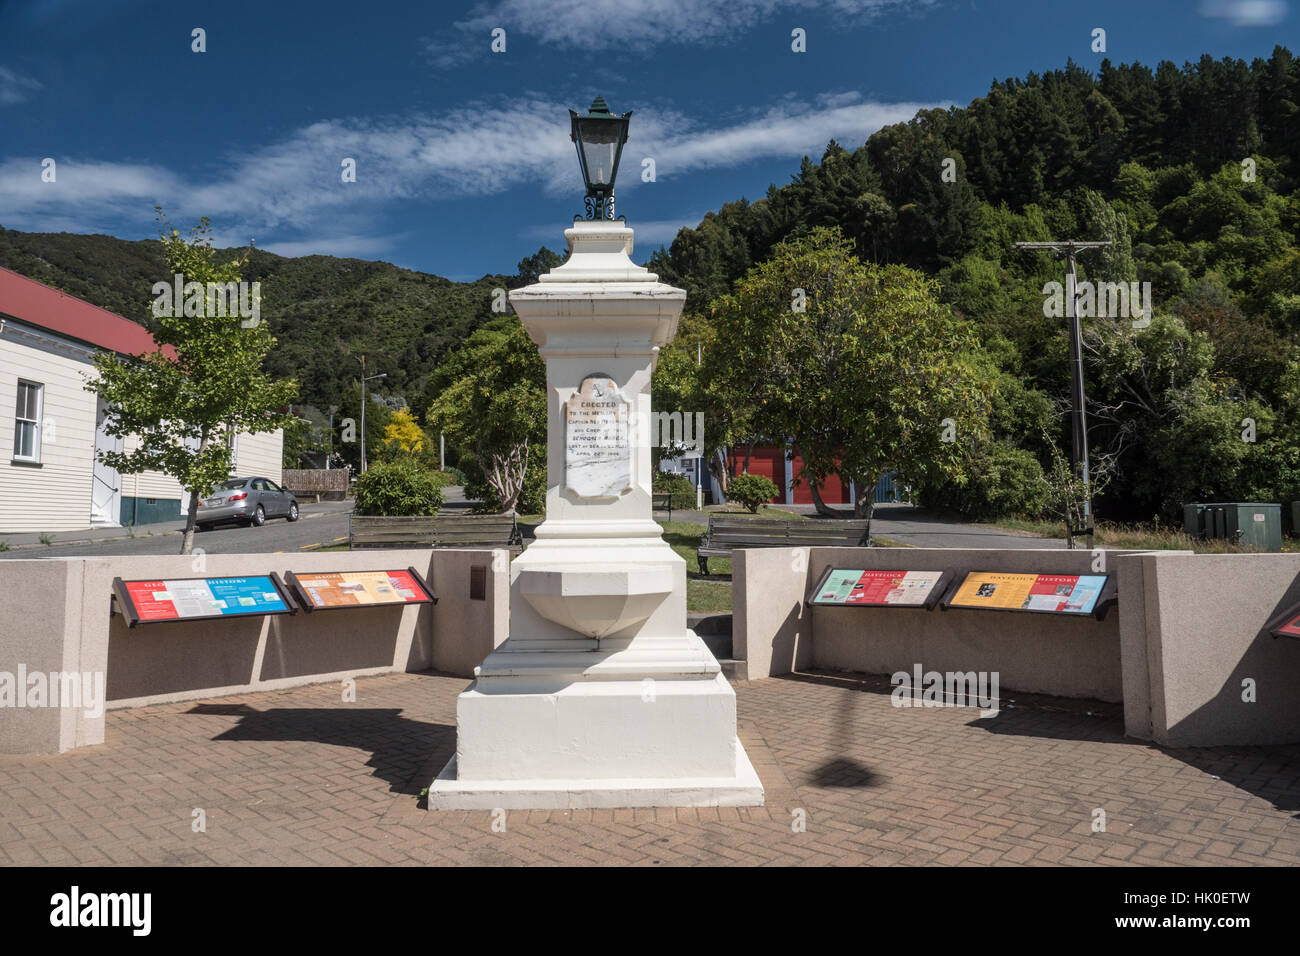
[1066,250]
[365,378]
[700,470]
[330,454]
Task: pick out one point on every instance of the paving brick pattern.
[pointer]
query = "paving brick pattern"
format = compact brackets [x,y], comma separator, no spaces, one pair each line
[299,777]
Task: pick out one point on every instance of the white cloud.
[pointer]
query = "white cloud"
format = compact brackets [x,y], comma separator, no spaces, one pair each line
[1246,13]
[289,194]
[362,247]
[14,87]
[639,23]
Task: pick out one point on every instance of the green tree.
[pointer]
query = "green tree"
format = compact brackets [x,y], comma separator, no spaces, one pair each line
[492,404]
[859,365]
[186,401]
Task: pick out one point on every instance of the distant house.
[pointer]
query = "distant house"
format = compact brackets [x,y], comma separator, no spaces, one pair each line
[51,427]
[771,461]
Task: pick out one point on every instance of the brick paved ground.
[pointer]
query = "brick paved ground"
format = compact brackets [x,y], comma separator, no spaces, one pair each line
[297,777]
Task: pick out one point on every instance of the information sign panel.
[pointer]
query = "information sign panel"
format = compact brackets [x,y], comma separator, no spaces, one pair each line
[1286,624]
[164,600]
[855,587]
[330,590]
[1045,593]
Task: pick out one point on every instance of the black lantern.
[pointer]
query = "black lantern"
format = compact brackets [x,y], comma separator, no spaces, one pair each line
[600,136]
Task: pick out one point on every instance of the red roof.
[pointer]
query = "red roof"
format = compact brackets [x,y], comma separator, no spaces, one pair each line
[41,305]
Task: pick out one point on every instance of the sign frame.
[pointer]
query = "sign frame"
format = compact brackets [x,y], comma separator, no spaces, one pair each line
[1107,597]
[308,605]
[1278,621]
[937,593]
[126,607]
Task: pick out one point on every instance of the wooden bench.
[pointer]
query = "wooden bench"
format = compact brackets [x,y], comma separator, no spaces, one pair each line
[438,531]
[727,533]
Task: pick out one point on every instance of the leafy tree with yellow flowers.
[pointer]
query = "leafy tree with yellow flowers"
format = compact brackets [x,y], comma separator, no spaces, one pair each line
[405,430]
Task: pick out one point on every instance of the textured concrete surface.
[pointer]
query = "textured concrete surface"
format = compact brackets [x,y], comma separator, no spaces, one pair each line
[298,777]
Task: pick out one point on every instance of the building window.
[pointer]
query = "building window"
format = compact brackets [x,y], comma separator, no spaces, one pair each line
[27,422]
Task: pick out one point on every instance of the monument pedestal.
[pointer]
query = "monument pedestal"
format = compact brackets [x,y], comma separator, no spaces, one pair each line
[648,724]
[601,696]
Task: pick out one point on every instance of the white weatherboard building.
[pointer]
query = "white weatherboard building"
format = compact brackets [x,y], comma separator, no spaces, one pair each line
[51,426]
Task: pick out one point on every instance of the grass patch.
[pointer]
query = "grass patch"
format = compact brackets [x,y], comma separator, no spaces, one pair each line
[1137,537]
[771,512]
[702,594]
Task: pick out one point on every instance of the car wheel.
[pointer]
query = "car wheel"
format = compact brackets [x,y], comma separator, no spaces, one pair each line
[203,527]
[293,512]
[259,517]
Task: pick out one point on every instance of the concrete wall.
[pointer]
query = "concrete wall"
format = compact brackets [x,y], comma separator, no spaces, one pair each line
[1204,637]
[1187,632]
[1037,653]
[41,625]
[1072,657]
[770,627]
[56,617]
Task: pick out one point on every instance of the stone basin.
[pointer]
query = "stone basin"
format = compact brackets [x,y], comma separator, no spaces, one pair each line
[596,600]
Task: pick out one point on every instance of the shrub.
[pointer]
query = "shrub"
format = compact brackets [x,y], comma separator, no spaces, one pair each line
[751,491]
[679,486]
[1003,480]
[398,487]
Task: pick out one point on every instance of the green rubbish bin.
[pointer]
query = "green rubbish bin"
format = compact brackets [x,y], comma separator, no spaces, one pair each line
[1295,517]
[1251,524]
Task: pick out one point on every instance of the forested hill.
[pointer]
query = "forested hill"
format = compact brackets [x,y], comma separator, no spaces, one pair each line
[1150,142]
[1193,173]
[324,311]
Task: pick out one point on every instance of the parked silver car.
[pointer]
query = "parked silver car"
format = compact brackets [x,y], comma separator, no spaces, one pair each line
[248,501]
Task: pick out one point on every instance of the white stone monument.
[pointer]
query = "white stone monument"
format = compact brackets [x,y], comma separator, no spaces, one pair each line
[601,696]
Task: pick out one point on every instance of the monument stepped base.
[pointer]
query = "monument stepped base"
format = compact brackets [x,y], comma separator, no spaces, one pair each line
[742,790]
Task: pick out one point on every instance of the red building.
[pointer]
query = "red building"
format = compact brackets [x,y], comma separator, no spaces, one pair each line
[770,462]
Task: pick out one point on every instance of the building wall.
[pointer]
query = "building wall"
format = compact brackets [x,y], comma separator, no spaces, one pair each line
[769,461]
[54,495]
[148,484]
[261,454]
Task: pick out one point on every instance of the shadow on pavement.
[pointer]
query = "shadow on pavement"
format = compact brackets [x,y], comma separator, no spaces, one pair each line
[399,746]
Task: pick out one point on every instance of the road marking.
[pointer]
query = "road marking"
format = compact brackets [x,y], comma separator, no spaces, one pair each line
[314,544]
[344,538]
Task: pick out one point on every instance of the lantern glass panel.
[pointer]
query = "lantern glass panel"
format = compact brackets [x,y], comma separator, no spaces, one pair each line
[599,147]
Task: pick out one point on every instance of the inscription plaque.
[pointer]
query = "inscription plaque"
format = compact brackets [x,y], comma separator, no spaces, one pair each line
[597,443]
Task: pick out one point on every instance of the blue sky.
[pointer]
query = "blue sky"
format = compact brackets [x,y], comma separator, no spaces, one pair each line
[464,164]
